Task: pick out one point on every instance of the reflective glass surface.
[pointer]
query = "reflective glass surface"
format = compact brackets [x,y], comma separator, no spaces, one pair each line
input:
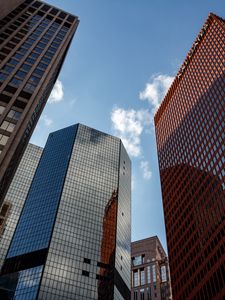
[22,285]
[36,222]
[76,218]
[81,259]
[17,194]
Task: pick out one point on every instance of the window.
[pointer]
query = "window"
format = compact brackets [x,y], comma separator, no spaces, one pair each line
[42,66]
[22,50]
[29,87]
[13,62]
[163,273]
[7,69]
[3,76]
[136,278]
[148,274]
[21,74]
[34,80]
[138,260]
[142,294]
[38,72]
[85,273]
[2,108]
[39,50]
[26,67]
[15,82]
[7,126]
[47,60]
[4,213]
[17,55]
[41,45]
[34,55]
[142,276]
[13,114]
[135,295]
[148,292]
[3,139]
[154,273]
[87,260]
[30,60]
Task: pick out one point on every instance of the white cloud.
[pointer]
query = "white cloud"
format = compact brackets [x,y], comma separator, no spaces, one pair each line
[156,89]
[57,92]
[129,125]
[144,165]
[47,121]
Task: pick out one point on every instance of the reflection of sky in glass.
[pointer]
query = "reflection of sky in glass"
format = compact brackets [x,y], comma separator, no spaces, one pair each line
[28,283]
[35,225]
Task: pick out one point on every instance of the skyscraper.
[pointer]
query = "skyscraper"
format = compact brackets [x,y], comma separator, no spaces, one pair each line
[16,196]
[73,237]
[149,271]
[190,132]
[8,6]
[34,40]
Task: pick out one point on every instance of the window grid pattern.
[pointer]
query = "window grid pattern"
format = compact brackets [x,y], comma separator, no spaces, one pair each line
[34,40]
[26,282]
[87,209]
[17,193]
[31,38]
[191,147]
[34,229]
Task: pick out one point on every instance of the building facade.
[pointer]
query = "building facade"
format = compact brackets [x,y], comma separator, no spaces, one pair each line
[34,40]
[15,197]
[149,271]
[72,240]
[8,6]
[190,133]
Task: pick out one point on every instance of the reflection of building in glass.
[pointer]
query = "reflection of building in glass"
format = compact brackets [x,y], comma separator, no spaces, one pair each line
[34,40]
[108,247]
[16,195]
[73,235]
[150,271]
[190,133]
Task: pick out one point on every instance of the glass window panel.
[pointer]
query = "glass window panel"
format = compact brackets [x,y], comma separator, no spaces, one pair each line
[2,108]
[142,277]
[148,274]
[3,140]
[163,274]
[136,278]
[8,69]
[3,76]
[154,273]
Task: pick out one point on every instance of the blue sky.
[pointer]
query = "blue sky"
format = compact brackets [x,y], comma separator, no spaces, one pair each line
[122,60]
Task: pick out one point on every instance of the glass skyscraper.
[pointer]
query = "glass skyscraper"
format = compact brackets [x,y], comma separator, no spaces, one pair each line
[34,40]
[73,237]
[16,196]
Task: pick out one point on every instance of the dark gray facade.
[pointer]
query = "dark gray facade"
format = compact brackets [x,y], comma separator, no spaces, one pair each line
[73,237]
[34,40]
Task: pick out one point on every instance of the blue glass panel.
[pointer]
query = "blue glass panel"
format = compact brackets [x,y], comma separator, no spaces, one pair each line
[21,285]
[34,228]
